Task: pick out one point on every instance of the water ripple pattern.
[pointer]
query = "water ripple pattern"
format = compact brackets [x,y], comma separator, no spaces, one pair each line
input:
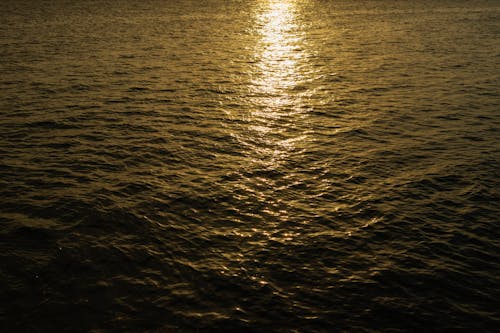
[253,166]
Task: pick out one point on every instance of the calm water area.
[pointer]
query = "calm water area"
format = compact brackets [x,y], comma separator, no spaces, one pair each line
[249,166]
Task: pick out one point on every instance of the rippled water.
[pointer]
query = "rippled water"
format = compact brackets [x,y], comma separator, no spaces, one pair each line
[260,165]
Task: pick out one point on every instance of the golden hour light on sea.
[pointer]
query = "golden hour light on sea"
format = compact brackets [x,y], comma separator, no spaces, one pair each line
[279,53]
[279,49]
[249,166]
[271,133]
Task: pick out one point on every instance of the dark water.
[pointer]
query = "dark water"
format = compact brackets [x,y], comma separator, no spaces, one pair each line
[259,165]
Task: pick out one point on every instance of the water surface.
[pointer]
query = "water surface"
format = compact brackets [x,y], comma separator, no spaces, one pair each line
[261,165]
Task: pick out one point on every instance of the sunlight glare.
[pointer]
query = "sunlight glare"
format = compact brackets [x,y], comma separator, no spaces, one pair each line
[279,49]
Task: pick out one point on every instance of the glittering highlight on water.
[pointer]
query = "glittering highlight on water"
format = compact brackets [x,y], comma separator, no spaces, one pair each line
[253,166]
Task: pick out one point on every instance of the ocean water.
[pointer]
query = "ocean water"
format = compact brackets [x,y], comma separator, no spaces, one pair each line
[249,166]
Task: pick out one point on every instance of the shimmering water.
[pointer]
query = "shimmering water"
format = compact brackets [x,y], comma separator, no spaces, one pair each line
[258,165]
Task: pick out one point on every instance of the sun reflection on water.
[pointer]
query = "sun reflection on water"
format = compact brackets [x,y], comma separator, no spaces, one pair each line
[277,73]
[275,120]
[276,114]
[279,51]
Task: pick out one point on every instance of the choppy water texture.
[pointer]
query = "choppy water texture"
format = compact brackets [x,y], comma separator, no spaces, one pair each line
[260,165]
